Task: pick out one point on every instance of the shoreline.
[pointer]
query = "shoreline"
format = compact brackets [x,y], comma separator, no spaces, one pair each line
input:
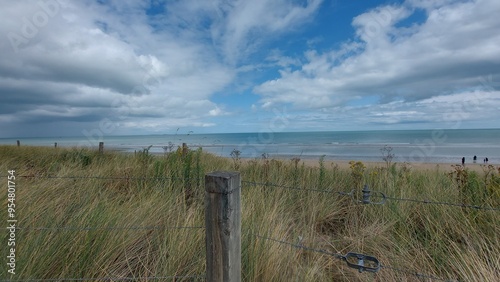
[345,164]
[444,161]
[415,165]
[313,160]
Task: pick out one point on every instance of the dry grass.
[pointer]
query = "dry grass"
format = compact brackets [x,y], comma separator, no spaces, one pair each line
[166,191]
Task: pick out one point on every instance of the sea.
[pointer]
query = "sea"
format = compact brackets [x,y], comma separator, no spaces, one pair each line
[415,146]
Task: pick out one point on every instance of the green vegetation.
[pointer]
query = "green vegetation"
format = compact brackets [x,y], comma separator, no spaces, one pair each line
[119,192]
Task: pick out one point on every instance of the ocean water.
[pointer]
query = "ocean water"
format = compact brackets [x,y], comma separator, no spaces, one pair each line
[429,146]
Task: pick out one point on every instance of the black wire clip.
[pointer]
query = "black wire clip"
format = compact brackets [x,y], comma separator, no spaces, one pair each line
[367,194]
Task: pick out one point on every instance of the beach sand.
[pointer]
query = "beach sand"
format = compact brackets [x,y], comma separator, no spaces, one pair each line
[444,167]
[344,164]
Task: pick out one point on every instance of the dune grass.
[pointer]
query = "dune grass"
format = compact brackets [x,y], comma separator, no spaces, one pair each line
[90,215]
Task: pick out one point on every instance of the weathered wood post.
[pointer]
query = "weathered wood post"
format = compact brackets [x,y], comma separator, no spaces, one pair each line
[101,147]
[186,163]
[223,226]
[18,143]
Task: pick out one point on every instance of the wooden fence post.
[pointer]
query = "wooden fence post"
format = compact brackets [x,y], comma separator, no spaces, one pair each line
[223,226]
[101,147]
[18,143]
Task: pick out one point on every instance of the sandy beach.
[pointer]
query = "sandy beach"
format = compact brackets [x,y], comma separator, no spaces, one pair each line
[344,164]
[416,166]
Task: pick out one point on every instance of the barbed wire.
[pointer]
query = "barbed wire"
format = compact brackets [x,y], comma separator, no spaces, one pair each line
[108,278]
[476,207]
[417,274]
[360,265]
[360,259]
[112,228]
[342,193]
[378,195]
[104,177]
[300,246]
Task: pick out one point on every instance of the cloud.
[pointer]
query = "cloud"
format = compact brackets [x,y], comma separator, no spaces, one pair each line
[449,52]
[158,65]
[132,62]
[276,57]
[66,61]
[235,29]
[240,31]
[431,4]
[460,110]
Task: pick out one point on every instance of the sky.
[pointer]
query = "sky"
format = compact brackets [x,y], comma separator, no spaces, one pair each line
[127,67]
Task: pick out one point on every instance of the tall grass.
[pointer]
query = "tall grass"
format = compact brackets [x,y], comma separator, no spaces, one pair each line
[133,201]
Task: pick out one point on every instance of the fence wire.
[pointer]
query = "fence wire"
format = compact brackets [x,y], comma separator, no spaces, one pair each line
[107,228]
[341,193]
[111,228]
[377,195]
[300,246]
[106,177]
[476,207]
[417,274]
[360,267]
[328,191]
[196,277]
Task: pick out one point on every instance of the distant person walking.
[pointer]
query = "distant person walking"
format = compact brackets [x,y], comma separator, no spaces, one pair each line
[463,161]
[475,158]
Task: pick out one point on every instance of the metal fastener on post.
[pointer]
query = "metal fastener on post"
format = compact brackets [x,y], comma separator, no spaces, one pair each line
[367,194]
[360,264]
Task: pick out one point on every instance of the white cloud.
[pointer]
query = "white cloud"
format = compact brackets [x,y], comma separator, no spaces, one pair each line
[103,59]
[376,27]
[239,32]
[125,65]
[460,110]
[431,4]
[448,53]
[281,60]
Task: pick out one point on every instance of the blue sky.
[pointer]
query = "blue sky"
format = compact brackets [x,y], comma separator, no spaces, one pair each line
[74,68]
